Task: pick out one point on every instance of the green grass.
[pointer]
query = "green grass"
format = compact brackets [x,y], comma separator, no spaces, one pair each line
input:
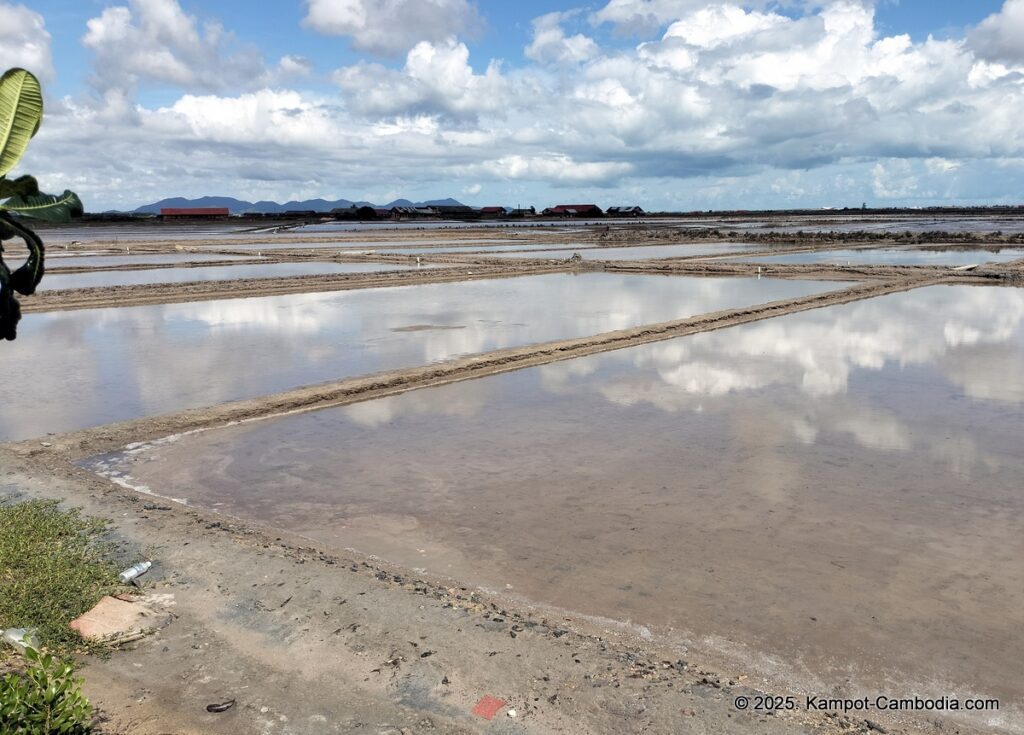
[54,566]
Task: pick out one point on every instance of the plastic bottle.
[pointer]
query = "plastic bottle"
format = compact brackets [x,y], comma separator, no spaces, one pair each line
[134,571]
[21,638]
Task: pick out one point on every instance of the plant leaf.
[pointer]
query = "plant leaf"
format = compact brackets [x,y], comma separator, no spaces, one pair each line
[49,207]
[21,112]
[22,186]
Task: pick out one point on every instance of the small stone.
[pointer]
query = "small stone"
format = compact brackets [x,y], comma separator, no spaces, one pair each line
[511,713]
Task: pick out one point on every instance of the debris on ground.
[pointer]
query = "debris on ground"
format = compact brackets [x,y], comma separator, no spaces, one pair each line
[488,707]
[135,571]
[115,620]
[20,638]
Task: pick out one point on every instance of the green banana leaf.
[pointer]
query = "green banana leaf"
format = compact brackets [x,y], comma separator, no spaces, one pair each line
[23,186]
[21,112]
[49,207]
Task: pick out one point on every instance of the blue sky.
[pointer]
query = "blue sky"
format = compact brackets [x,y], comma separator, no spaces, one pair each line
[679,104]
[276,28]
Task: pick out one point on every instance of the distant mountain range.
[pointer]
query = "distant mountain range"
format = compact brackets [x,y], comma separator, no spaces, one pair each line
[237,206]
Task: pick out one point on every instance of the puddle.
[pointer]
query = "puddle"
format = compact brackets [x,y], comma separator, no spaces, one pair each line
[895,256]
[55,281]
[839,489]
[643,252]
[103,365]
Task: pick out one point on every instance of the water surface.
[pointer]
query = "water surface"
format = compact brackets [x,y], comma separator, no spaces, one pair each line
[487,249]
[360,245]
[643,252]
[894,256]
[143,259]
[55,281]
[832,497]
[96,366]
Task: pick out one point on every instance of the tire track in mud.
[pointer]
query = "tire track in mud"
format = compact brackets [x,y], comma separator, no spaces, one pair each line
[74,445]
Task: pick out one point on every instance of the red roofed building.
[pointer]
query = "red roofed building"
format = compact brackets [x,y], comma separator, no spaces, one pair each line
[193,212]
[573,210]
[492,212]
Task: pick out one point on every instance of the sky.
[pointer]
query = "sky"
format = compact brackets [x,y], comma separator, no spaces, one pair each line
[670,104]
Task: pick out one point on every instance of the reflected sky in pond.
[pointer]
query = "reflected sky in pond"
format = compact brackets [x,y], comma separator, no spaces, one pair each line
[347,245]
[839,487]
[97,366]
[895,256]
[56,281]
[482,247]
[77,261]
[643,252]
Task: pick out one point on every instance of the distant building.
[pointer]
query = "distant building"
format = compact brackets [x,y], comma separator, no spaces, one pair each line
[633,211]
[492,212]
[456,211]
[573,210]
[194,212]
[519,213]
[356,213]
[413,212]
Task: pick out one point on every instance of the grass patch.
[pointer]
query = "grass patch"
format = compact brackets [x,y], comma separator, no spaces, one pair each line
[54,566]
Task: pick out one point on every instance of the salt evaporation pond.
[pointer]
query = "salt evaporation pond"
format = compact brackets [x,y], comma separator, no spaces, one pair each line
[143,259]
[894,256]
[912,224]
[102,365]
[485,249]
[347,245]
[99,279]
[642,252]
[839,489]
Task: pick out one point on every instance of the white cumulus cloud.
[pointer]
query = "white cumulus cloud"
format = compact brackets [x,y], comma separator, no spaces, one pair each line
[24,41]
[391,27]
[437,78]
[1000,37]
[155,40]
[722,104]
[550,44]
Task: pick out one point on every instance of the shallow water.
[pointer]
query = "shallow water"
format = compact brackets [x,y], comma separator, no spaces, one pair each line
[142,259]
[894,256]
[914,224]
[346,245]
[837,488]
[99,279]
[643,252]
[444,225]
[97,366]
[463,250]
